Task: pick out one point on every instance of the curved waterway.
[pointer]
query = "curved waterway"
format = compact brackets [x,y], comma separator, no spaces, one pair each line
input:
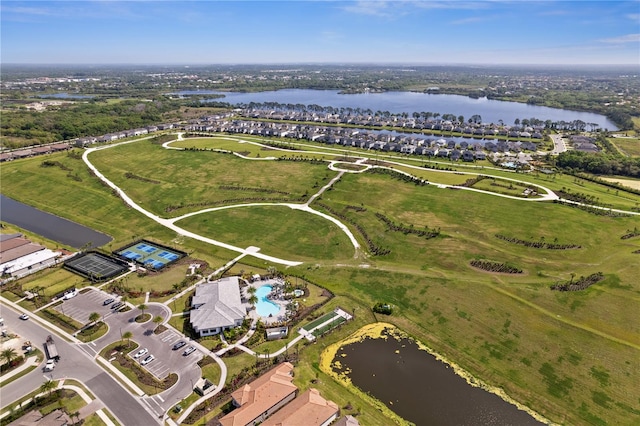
[491,110]
[420,388]
[49,226]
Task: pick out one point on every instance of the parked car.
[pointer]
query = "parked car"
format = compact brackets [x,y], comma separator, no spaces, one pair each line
[189,351]
[24,317]
[108,301]
[147,360]
[117,305]
[50,365]
[178,345]
[70,295]
[141,352]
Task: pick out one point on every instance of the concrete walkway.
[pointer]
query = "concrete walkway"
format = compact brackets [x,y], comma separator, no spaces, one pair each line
[29,362]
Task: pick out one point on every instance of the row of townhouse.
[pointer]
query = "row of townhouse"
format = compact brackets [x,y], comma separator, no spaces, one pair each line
[110,137]
[478,129]
[470,150]
[33,151]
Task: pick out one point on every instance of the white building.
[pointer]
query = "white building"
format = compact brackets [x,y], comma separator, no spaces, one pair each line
[217,306]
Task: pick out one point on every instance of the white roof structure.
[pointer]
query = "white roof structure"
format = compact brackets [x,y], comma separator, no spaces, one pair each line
[28,260]
[217,304]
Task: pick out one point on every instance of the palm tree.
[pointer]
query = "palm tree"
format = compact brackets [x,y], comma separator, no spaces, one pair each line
[75,414]
[127,335]
[142,308]
[48,386]
[253,299]
[157,320]
[8,354]
[94,316]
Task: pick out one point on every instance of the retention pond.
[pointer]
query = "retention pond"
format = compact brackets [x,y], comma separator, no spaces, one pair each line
[420,388]
[50,226]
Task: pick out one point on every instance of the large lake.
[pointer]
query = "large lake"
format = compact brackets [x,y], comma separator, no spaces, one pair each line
[49,226]
[491,111]
[421,389]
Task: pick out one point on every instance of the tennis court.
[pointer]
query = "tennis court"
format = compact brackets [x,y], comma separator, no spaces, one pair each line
[150,255]
[96,266]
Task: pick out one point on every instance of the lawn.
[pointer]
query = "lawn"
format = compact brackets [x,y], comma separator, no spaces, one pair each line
[171,183]
[277,230]
[627,145]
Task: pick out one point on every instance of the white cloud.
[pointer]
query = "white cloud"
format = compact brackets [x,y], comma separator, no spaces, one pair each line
[629,38]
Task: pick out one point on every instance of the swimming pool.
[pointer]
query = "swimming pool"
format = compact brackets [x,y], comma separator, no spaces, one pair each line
[265,307]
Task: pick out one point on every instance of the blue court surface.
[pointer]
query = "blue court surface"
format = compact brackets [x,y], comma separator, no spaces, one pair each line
[149,255]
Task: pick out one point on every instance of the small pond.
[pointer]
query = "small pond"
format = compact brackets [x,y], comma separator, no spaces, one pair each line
[420,388]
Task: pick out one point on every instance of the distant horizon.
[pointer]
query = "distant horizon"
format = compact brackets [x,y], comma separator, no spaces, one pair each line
[336,64]
[476,32]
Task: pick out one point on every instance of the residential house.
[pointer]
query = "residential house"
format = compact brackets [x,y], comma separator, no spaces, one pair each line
[308,409]
[258,400]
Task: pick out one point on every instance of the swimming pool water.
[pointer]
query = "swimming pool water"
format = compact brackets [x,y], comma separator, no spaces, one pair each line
[265,307]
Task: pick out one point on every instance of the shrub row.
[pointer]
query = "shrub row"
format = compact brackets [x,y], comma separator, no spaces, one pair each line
[373,248]
[49,163]
[426,232]
[359,209]
[397,175]
[130,175]
[250,189]
[581,284]
[594,210]
[538,244]
[300,158]
[470,182]
[630,234]
[495,267]
[170,208]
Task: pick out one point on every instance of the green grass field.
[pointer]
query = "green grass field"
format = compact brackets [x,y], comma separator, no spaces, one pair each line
[574,357]
[282,232]
[628,145]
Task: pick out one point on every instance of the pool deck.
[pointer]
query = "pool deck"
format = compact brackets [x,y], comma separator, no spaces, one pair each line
[281,303]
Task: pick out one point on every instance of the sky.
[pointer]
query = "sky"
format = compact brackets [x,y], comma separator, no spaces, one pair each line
[251,32]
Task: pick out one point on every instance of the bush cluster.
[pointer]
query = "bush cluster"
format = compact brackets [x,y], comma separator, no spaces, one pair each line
[130,175]
[250,189]
[495,267]
[49,163]
[581,283]
[538,244]
[426,232]
[397,175]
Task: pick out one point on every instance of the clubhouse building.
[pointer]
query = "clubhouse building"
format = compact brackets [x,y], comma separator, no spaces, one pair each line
[217,306]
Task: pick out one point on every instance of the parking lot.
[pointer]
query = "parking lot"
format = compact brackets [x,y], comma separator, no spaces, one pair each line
[84,304]
[166,360]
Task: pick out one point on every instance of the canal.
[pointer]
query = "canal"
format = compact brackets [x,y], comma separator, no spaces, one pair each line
[50,226]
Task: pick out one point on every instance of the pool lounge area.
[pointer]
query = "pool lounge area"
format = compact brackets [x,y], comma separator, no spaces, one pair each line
[269,310]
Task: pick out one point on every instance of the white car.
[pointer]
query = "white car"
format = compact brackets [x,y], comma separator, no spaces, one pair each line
[70,295]
[141,352]
[50,365]
[189,351]
[24,317]
[147,360]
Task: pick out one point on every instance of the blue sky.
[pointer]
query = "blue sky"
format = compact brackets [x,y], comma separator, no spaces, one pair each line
[233,32]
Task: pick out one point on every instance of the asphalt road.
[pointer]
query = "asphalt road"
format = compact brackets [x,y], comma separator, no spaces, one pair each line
[74,364]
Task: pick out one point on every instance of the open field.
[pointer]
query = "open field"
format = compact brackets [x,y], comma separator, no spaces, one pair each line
[171,183]
[631,183]
[571,356]
[627,145]
[282,232]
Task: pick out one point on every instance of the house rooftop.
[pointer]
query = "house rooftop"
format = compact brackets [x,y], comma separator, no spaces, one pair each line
[309,409]
[257,397]
[217,304]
